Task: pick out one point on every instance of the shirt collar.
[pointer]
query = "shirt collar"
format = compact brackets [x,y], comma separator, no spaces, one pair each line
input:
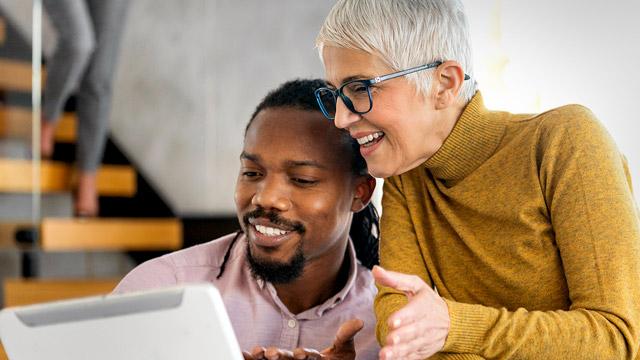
[319,310]
[474,138]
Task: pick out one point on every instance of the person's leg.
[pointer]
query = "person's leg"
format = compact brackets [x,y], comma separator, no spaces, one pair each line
[75,45]
[94,98]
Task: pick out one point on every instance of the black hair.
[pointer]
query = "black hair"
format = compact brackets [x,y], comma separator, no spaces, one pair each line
[365,229]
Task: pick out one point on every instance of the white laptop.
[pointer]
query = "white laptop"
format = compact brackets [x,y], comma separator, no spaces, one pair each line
[188,322]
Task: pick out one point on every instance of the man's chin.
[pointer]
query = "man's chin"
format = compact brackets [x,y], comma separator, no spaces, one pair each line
[275,271]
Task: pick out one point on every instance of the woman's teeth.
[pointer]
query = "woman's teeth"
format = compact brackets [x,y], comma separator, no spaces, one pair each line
[269,231]
[368,140]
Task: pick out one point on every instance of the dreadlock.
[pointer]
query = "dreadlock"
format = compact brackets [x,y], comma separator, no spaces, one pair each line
[364,231]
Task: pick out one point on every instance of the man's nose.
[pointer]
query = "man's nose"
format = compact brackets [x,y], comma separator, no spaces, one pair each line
[272,195]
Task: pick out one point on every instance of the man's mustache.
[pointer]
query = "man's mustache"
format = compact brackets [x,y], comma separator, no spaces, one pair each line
[274,218]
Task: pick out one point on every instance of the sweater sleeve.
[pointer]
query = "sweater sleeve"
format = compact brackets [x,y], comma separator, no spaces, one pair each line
[399,251]
[597,233]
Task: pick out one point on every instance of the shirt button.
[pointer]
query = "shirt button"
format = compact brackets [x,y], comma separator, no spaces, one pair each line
[291,323]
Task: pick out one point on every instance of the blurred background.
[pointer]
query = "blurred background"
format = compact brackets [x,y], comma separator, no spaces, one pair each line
[188,76]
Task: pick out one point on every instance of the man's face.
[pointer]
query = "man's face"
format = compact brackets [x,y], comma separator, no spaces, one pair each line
[294,192]
[405,122]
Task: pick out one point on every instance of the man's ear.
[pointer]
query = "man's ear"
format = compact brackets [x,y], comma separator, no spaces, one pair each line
[363,192]
[448,80]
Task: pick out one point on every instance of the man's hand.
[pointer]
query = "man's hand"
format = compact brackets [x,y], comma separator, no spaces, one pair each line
[343,347]
[420,328]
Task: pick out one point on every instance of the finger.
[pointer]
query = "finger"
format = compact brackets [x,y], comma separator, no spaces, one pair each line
[258,352]
[404,333]
[247,356]
[409,284]
[420,348]
[306,354]
[346,333]
[421,308]
[273,353]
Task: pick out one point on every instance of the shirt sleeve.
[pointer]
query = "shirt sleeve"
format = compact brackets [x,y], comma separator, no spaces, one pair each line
[593,213]
[404,256]
[155,273]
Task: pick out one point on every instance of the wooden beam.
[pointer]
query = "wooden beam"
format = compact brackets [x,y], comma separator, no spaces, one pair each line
[15,122]
[16,75]
[16,176]
[20,292]
[110,234]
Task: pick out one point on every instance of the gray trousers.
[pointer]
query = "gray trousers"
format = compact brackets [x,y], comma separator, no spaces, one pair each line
[89,33]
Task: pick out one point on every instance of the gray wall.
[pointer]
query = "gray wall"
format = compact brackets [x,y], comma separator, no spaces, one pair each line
[191,72]
[190,75]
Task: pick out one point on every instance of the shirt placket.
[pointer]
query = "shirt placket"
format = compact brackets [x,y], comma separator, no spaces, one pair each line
[290,336]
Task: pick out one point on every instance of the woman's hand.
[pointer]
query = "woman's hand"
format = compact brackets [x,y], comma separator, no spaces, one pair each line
[420,328]
[343,347]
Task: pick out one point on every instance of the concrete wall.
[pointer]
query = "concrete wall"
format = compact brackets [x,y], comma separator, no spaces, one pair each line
[192,71]
[191,74]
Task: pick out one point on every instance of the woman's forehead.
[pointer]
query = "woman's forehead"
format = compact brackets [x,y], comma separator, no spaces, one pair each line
[344,64]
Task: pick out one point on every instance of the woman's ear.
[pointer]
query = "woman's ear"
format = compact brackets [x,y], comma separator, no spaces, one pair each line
[364,187]
[449,78]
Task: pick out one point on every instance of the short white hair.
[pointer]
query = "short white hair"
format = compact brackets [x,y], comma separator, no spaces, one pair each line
[404,33]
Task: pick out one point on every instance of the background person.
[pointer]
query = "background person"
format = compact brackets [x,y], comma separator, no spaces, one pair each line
[520,232]
[89,33]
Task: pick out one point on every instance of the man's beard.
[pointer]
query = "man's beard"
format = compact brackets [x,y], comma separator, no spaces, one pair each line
[277,272]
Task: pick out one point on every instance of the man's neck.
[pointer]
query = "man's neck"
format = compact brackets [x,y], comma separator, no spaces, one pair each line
[320,280]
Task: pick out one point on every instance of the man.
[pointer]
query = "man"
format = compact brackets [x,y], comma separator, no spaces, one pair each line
[290,278]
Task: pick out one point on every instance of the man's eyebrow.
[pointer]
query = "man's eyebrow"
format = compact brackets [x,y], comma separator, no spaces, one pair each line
[299,163]
[251,157]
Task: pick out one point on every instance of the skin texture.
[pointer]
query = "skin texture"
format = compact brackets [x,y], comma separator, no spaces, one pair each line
[292,168]
[415,125]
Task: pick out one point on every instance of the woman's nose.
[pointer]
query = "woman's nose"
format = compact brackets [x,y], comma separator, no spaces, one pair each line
[344,117]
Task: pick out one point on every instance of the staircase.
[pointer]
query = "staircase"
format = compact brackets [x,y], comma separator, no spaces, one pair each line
[59,256]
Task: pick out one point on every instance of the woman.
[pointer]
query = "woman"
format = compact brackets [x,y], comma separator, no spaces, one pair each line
[519,232]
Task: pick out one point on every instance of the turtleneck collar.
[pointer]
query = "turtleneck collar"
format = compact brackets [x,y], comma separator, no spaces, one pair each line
[474,138]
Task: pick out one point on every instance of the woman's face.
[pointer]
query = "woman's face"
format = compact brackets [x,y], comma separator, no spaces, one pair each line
[408,127]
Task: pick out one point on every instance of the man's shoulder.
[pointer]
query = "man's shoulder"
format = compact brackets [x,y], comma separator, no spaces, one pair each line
[209,254]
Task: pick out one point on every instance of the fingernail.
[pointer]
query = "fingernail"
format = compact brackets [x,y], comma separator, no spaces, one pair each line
[396,322]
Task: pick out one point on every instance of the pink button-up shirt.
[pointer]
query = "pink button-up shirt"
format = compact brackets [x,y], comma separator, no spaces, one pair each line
[257,314]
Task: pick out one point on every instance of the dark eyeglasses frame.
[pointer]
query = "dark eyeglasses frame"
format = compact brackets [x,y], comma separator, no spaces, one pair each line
[367,83]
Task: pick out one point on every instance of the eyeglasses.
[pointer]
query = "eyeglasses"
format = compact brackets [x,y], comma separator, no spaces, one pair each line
[356,94]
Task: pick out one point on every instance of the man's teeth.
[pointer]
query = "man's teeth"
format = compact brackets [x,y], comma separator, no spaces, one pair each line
[269,231]
[369,138]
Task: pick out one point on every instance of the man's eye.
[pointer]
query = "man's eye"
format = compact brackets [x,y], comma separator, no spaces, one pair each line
[250,174]
[304,182]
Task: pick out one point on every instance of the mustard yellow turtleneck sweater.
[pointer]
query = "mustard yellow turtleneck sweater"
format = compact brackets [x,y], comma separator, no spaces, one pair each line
[527,227]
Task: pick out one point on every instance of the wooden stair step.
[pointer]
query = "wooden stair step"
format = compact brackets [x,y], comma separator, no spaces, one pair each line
[113,180]
[3,38]
[20,292]
[15,75]
[110,234]
[15,122]
[8,231]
